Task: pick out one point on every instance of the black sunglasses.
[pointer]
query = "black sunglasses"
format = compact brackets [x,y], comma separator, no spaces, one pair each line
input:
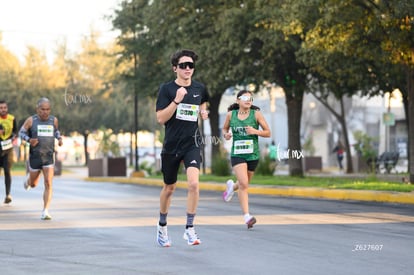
[185,64]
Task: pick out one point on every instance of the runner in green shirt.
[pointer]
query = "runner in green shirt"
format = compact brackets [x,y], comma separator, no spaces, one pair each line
[242,124]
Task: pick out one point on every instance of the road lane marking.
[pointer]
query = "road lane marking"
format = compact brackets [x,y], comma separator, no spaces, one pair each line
[105,218]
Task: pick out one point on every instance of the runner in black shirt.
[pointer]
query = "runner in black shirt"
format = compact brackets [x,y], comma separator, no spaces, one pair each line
[179,104]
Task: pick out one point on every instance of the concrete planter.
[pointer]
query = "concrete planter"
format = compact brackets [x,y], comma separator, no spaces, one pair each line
[313,163]
[107,167]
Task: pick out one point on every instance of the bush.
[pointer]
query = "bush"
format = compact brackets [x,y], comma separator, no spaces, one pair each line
[266,166]
[364,147]
[220,166]
[146,166]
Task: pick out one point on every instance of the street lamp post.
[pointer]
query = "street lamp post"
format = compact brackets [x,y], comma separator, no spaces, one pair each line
[388,119]
[135,97]
[136,110]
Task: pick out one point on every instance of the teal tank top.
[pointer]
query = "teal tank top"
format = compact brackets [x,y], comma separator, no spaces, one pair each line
[244,145]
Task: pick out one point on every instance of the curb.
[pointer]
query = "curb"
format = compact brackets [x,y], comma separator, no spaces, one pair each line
[308,192]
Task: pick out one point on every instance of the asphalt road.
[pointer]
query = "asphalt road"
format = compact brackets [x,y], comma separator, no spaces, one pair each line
[110,228]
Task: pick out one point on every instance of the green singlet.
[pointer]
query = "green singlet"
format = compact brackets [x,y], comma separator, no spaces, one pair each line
[244,145]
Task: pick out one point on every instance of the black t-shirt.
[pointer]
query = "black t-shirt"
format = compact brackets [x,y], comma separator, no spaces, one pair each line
[181,130]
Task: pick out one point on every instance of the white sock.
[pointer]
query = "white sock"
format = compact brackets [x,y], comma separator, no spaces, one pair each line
[247,217]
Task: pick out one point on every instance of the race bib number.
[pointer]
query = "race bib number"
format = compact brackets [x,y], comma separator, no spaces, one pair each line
[188,112]
[44,130]
[6,144]
[243,146]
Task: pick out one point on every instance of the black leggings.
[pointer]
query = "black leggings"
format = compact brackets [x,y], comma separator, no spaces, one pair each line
[5,163]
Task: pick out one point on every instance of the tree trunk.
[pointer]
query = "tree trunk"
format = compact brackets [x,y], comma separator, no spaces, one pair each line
[131,148]
[410,90]
[214,123]
[85,146]
[294,103]
[342,121]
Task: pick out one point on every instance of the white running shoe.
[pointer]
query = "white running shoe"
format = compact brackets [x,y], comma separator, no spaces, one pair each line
[25,184]
[191,236]
[228,194]
[162,236]
[45,216]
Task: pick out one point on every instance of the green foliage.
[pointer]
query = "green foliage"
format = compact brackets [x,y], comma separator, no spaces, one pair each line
[364,145]
[145,166]
[266,166]
[220,166]
[108,146]
[289,81]
[337,182]
[308,146]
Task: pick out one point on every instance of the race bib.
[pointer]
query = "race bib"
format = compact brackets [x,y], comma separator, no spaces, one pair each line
[243,146]
[188,112]
[44,130]
[6,144]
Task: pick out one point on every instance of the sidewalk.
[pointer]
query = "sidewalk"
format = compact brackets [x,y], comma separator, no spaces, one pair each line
[304,192]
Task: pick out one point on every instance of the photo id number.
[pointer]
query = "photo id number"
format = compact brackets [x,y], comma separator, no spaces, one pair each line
[367,247]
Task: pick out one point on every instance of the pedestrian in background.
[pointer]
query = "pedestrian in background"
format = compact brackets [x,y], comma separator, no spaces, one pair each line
[40,131]
[273,154]
[339,150]
[179,104]
[8,133]
[244,119]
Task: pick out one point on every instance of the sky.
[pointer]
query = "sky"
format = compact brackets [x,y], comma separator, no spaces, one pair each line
[44,23]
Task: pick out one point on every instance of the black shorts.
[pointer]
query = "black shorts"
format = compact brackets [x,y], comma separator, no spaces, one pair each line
[170,163]
[39,161]
[251,164]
